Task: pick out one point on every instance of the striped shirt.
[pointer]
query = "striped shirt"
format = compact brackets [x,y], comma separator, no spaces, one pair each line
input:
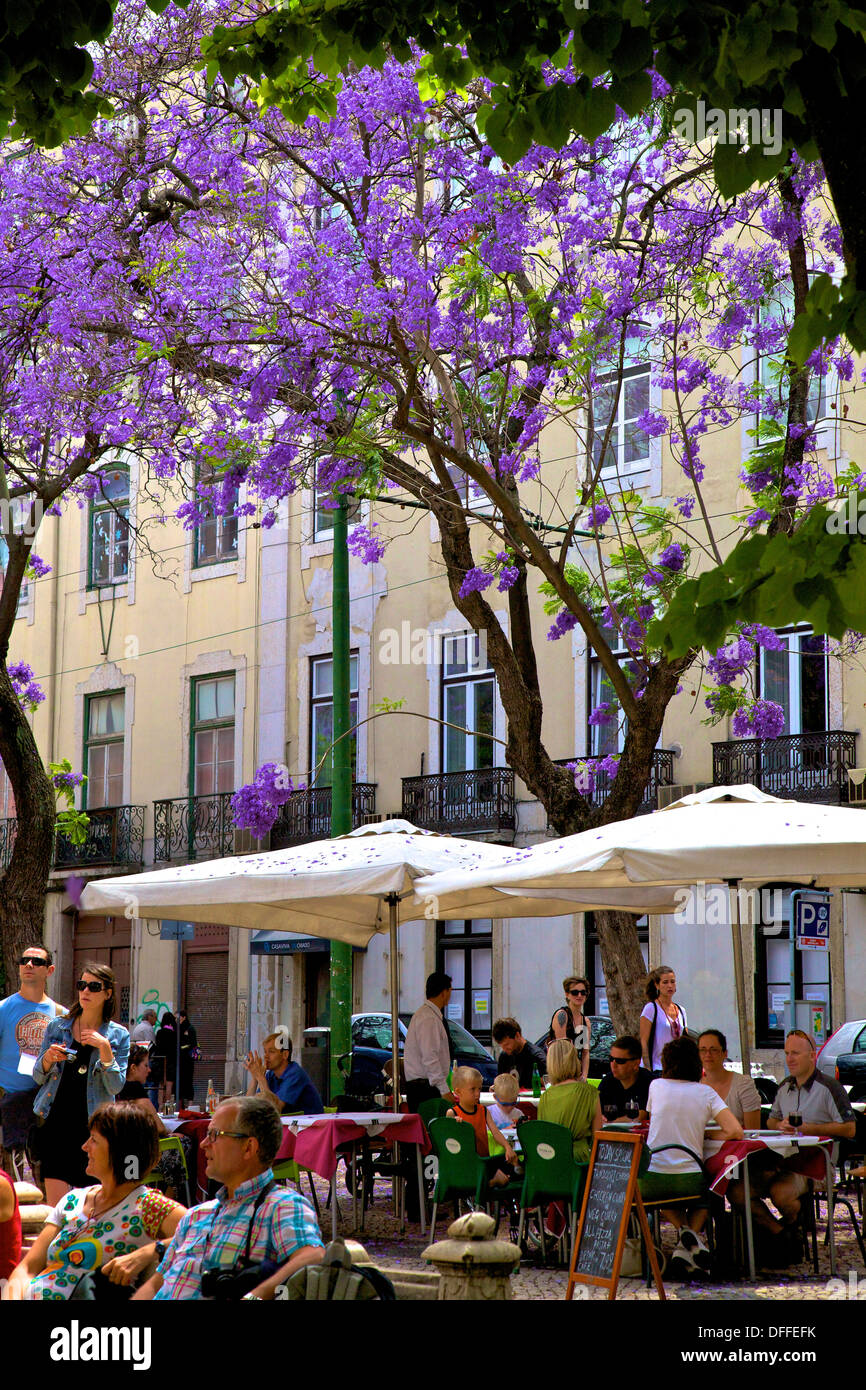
[213,1235]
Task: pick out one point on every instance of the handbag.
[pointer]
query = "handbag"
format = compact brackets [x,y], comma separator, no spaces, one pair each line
[95,1287]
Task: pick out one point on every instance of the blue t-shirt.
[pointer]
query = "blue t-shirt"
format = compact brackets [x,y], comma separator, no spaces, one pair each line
[295,1089]
[22,1024]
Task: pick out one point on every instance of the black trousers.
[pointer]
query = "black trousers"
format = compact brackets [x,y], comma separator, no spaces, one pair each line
[418,1091]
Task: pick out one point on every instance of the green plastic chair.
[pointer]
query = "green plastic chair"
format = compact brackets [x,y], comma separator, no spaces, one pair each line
[551,1173]
[170,1143]
[462,1172]
[435,1109]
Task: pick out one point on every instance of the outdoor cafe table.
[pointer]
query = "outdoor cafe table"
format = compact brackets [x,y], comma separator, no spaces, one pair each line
[314,1141]
[723,1159]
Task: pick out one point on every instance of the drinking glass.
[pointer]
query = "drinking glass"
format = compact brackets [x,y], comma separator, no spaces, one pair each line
[795,1119]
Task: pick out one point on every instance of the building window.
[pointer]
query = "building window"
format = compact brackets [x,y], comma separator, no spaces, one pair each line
[19,504]
[104,751]
[216,538]
[468,702]
[795,677]
[109,530]
[322,717]
[773,969]
[7,796]
[213,735]
[628,449]
[472,496]
[603,739]
[594,970]
[778,309]
[465,952]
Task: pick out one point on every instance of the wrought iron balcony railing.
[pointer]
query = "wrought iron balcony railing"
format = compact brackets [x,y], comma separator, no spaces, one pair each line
[480,801]
[193,827]
[307,814]
[115,836]
[600,783]
[807,767]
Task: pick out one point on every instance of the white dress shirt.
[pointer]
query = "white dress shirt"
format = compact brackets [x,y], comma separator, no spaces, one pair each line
[426,1054]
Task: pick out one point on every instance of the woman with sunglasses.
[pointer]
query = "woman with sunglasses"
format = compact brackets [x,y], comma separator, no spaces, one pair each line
[82,1065]
[569,1020]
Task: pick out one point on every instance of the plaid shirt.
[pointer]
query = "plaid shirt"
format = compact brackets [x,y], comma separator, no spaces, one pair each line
[213,1235]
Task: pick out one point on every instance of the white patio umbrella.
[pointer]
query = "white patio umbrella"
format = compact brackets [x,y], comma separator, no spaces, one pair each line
[345,889]
[734,835]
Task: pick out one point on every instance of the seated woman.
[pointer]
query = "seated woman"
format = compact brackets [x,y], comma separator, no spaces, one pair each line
[680,1107]
[111,1227]
[739,1093]
[169,1165]
[569,1100]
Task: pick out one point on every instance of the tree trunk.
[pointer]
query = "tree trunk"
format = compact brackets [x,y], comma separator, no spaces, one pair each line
[24,884]
[624,968]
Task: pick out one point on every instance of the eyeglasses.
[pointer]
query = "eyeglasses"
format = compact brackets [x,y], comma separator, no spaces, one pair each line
[33,960]
[93,985]
[621,1061]
[577,991]
[214,1134]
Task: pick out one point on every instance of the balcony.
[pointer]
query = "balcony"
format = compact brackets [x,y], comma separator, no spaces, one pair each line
[480,802]
[187,828]
[115,836]
[807,767]
[661,775]
[306,815]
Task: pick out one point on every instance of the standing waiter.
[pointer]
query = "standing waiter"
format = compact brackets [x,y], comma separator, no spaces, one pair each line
[427,1053]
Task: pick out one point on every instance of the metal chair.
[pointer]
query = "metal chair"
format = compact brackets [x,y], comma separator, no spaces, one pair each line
[170,1143]
[654,1205]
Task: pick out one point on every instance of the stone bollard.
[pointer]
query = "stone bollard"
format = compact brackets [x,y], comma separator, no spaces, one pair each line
[473,1265]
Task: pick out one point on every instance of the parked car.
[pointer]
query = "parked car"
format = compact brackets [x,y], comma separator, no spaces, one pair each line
[843,1056]
[371,1049]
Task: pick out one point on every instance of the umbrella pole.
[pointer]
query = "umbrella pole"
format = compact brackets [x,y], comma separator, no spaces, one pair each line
[396,1088]
[739,974]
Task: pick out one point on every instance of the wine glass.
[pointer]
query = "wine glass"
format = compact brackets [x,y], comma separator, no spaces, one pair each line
[795,1119]
[610,1111]
[632,1108]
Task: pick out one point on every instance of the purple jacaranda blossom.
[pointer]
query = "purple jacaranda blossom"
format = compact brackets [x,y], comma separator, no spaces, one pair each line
[28,690]
[256,806]
[761,719]
[369,549]
[602,714]
[564,622]
[598,514]
[672,557]
[475,581]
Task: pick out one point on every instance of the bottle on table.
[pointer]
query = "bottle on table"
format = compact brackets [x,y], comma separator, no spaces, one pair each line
[536,1082]
[212,1098]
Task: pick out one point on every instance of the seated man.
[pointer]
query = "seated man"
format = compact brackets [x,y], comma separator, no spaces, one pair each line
[279,1079]
[818,1106]
[518,1055]
[242,1142]
[627,1082]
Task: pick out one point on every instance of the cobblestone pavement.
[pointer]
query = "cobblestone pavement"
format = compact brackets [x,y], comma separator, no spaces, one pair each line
[388,1248]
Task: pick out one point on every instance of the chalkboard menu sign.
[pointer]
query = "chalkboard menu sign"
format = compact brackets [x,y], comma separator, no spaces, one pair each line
[610,1194]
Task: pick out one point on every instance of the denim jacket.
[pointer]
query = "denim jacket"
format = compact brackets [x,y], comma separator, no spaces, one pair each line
[103,1083]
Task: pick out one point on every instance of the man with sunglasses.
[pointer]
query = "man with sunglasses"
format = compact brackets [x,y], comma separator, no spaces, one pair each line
[24,1016]
[627,1084]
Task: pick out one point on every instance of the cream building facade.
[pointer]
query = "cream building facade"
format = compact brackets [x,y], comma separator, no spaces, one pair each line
[175,663]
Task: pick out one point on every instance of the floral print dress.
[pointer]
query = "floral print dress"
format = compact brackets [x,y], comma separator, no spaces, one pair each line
[85,1242]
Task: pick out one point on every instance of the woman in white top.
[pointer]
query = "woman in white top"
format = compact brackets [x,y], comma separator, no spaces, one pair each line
[661,1020]
[680,1107]
[739,1093]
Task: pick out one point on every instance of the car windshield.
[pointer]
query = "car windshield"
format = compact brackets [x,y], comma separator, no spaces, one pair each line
[465,1043]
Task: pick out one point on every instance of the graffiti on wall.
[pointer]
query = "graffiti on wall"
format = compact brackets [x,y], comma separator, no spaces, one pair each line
[151,1000]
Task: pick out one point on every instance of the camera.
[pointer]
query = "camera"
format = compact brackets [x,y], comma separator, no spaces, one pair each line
[229,1285]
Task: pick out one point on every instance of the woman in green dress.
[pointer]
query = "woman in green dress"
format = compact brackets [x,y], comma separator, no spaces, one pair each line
[569,1100]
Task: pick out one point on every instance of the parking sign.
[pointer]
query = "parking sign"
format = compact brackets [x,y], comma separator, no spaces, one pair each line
[812,924]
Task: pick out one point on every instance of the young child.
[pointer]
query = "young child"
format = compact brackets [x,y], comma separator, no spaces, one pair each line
[505,1113]
[466,1085]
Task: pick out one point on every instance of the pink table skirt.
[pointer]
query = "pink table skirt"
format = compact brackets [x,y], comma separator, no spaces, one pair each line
[316,1146]
[722,1166]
